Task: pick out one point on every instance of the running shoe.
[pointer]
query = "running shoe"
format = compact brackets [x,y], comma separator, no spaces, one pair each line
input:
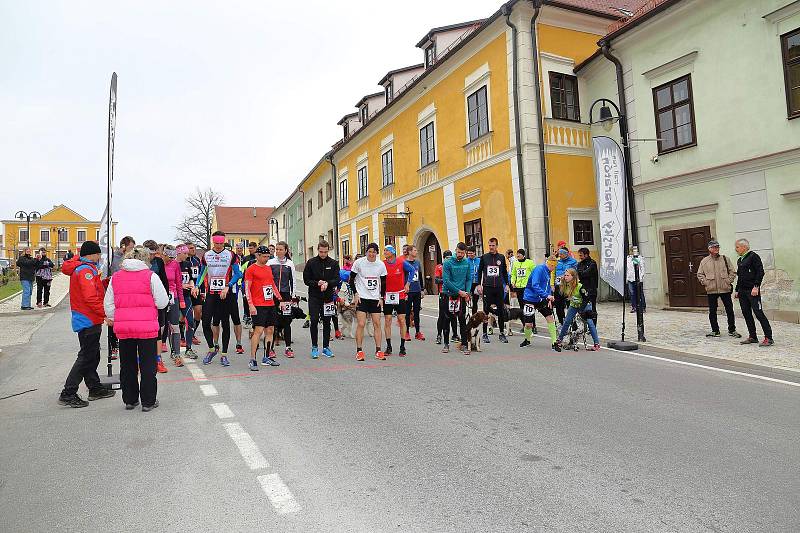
[485,338]
[419,336]
[183,343]
[735,334]
[407,337]
[264,361]
[224,361]
[749,340]
[465,349]
[327,352]
[766,342]
[163,347]
[402,352]
[502,338]
[388,350]
[195,341]
[289,353]
[272,354]
[595,348]
[446,348]
[209,357]
[438,339]
[314,352]
[191,353]
[360,355]
[338,334]
[48,305]
[713,334]
[272,362]
[556,346]
[72,401]
[239,349]
[131,406]
[307,324]
[178,361]
[100,393]
[491,330]
[525,343]
[160,368]
[379,355]
[535,331]
[148,408]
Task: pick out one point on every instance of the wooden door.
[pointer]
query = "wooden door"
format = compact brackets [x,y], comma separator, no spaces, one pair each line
[684,249]
[431,256]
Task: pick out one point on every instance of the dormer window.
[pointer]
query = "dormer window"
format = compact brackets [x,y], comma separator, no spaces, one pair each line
[364,114]
[430,55]
[389,92]
[346,127]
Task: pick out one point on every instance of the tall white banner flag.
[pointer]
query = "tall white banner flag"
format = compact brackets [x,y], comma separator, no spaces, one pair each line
[105,223]
[105,244]
[609,168]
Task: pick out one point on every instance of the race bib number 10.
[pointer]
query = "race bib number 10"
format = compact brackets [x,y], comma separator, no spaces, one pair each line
[528,310]
[216,284]
[329,309]
[267,292]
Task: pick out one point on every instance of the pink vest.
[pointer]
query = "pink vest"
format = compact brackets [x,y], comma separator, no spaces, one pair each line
[135,315]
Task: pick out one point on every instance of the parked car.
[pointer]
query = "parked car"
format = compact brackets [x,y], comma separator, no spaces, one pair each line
[5,264]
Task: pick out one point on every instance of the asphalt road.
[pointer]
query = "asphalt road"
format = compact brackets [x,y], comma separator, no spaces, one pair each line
[505,440]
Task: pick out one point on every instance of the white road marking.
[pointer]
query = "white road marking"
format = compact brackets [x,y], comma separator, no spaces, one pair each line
[222,410]
[279,494]
[247,446]
[209,390]
[685,363]
[197,373]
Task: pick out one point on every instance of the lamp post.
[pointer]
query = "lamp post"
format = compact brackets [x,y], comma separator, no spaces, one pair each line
[22,215]
[271,221]
[607,119]
[58,231]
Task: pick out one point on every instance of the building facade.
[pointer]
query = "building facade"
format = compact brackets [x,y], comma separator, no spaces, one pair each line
[59,230]
[318,206]
[719,85]
[291,227]
[242,224]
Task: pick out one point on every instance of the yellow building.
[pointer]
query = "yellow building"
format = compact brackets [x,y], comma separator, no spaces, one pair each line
[59,230]
[440,145]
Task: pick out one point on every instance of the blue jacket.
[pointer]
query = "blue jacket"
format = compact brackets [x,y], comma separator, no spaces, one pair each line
[563,264]
[538,287]
[474,265]
[456,276]
[414,285]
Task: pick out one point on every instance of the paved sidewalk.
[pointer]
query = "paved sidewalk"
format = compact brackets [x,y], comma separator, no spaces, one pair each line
[685,332]
[17,326]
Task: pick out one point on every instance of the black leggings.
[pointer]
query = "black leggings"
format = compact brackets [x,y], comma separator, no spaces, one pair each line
[443,323]
[315,308]
[413,305]
[458,321]
[216,309]
[494,296]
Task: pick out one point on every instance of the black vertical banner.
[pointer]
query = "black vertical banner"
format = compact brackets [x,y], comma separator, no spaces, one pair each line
[105,224]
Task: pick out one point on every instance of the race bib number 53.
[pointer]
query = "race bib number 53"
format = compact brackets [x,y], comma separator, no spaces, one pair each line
[372,283]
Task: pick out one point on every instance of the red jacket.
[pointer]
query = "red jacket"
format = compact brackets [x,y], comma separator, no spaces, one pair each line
[86,293]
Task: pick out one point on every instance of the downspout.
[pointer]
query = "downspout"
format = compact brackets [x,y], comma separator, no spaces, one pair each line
[623,130]
[335,187]
[517,129]
[537,86]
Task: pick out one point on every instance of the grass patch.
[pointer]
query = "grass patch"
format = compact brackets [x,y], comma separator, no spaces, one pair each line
[10,288]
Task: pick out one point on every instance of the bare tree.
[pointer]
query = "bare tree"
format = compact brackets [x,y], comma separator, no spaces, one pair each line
[196,224]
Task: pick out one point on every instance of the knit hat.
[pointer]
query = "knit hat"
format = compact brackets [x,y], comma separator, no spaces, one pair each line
[389,248]
[89,248]
[262,250]
[713,242]
[447,253]
[182,249]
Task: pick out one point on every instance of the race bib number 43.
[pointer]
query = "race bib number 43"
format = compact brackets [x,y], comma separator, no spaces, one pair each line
[216,284]
[267,292]
[493,271]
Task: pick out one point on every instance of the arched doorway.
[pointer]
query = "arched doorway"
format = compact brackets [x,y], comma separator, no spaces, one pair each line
[431,255]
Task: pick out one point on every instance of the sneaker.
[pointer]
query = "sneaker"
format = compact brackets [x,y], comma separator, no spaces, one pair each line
[388,351]
[239,349]
[338,334]
[764,344]
[465,349]
[525,343]
[438,339]
[595,348]
[131,406]
[419,336]
[160,368]
[183,343]
[163,347]
[209,357]
[272,354]
[327,352]
[360,355]
[502,338]
[713,334]
[72,401]
[48,305]
[380,356]
[147,408]
[99,394]
[735,334]
[178,361]
[749,340]
[273,362]
[485,339]
[224,361]
[402,352]
[446,348]
[289,353]
[253,365]
[535,331]
[407,337]
[190,353]
[306,324]
[195,341]
[491,330]
[314,352]
[557,346]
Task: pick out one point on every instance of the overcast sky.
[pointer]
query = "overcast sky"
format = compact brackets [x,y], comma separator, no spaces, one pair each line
[240,96]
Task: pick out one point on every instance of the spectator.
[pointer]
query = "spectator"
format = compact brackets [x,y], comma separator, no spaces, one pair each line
[636,293]
[27,275]
[44,276]
[69,255]
[716,274]
[125,245]
[86,300]
[750,274]
[588,277]
[135,294]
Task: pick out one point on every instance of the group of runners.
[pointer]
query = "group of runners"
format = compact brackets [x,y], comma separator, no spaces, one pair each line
[380,287]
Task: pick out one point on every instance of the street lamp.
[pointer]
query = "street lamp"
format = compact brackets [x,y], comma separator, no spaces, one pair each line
[22,215]
[607,118]
[58,231]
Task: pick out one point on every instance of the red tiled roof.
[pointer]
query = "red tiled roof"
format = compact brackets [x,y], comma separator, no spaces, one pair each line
[242,219]
[644,7]
[606,7]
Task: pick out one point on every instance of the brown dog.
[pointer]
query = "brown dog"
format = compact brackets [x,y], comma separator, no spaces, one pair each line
[474,325]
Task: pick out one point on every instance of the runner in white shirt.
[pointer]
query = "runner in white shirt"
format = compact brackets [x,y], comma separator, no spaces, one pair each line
[368,284]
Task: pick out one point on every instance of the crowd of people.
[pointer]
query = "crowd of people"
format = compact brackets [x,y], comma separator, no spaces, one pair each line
[157,296]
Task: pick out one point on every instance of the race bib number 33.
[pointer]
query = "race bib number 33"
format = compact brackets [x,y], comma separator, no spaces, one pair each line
[493,271]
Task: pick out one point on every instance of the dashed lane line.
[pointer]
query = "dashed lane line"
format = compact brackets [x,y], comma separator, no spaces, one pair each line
[278,494]
[247,446]
[222,410]
[209,390]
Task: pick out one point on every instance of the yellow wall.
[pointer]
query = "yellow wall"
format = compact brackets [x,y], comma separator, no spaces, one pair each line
[496,212]
[58,217]
[570,184]
[567,43]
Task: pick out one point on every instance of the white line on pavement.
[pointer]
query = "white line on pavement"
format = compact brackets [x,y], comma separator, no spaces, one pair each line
[197,373]
[222,410]
[247,446]
[209,390]
[279,494]
[686,363]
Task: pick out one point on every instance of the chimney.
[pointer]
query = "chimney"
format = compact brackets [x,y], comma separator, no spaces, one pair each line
[254,212]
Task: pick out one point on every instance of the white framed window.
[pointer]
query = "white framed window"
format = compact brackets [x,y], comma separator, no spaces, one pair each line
[23,235]
[387,168]
[363,182]
[363,241]
[63,236]
[345,245]
[81,235]
[44,235]
[584,226]
[427,145]
[343,199]
[555,67]
[478,114]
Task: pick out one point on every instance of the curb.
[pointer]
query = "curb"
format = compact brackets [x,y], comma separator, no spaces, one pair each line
[7,298]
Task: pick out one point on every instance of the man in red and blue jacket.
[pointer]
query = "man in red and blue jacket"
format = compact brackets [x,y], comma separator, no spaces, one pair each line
[86,292]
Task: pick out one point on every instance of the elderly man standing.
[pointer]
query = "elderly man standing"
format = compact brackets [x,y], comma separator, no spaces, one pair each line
[27,265]
[716,274]
[750,274]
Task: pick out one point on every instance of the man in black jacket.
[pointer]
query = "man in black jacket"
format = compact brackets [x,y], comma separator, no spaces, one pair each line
[749,275]
[493,283]
[588,276]
[321,275]
[27,275]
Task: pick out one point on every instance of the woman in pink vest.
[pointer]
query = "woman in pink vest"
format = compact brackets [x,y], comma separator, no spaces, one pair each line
[134,295]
